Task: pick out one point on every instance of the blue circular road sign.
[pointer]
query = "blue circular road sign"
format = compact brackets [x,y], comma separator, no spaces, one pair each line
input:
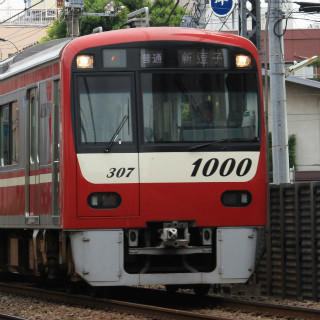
[222,8]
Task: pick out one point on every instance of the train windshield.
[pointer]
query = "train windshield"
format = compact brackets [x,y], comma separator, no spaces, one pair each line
[104,103]
[199,106]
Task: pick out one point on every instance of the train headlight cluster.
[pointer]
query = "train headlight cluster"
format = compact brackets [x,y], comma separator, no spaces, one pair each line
[104,200]
[85,61]
[243,61]
[236,198]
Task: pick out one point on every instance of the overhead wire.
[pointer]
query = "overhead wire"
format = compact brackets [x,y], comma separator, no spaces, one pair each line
[154,19]
[91,7]
[171,12]
[226,20]
[290,14]
[26,9]
[27,32]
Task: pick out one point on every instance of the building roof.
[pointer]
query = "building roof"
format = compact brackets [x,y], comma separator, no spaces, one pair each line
[304,82]
[299,44]
[31,57]
[299,80]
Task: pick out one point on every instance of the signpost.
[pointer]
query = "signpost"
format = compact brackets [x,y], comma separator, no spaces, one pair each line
[222,8]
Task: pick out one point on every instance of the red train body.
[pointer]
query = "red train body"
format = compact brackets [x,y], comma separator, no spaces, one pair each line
[109,171]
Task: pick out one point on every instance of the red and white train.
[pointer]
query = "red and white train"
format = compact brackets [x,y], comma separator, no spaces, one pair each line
[133,157]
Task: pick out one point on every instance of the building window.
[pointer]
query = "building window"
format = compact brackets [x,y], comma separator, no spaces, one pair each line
[9,134]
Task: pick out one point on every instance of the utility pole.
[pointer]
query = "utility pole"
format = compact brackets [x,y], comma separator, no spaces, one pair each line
[280,150]
[250,9]
[73,9]
[202,9]
[200,13]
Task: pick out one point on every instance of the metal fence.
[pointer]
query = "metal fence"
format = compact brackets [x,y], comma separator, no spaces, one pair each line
[30,17]
[290,266]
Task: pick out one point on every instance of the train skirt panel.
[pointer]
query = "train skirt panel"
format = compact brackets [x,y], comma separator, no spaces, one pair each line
[101,256]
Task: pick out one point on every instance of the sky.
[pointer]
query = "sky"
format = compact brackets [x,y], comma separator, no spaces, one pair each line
[12,4]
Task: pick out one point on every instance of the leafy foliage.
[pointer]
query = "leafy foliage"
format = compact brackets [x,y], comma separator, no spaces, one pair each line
[166,13]
[317,65]
[57,30]
[292,144]
[162,12]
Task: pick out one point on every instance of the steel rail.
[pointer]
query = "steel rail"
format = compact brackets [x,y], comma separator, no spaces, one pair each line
[4,316]
[108,304]
[266,308]
[226,304]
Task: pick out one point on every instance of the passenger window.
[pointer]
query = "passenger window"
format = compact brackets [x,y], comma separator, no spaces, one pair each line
[9,134]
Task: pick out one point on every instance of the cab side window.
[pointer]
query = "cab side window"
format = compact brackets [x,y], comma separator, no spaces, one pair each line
[9,134]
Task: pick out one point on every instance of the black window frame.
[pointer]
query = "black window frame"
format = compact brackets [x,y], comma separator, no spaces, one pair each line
[134,68]
[10,159]
[99,147]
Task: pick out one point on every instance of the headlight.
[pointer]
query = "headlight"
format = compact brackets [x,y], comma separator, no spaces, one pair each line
[243,61]
[104,200]
[85,61]
[236,198]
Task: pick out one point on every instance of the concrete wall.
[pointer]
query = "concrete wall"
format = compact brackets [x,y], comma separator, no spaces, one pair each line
[48,4]
[303,107]
[303,120]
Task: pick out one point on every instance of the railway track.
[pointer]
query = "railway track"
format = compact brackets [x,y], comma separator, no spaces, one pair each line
[107,304]
[163,305]
[4,316]
[269,309]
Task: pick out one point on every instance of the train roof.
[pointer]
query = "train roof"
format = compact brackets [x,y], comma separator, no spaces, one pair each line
[160,34]
[48,51]
[32,57]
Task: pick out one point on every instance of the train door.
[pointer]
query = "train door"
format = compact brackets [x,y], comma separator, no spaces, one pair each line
[55,151]
[32,203]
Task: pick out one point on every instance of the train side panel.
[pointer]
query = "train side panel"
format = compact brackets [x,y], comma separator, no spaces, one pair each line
[26,171]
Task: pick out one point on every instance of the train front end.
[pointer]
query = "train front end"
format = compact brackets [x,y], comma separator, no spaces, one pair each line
[163,165]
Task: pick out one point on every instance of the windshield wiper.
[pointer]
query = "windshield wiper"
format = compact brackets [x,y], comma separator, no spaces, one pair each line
[200,146]
[116,133]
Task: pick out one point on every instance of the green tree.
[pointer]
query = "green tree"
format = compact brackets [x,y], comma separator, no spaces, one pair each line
[57,30]
[162,12]
[292,144]
[317,65]
[166,13]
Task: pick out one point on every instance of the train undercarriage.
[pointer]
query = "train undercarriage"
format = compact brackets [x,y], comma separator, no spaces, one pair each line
[171,253]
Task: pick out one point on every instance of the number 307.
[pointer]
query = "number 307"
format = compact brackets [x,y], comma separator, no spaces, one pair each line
[119,173]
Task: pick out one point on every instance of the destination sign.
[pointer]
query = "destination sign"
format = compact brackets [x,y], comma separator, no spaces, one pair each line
[184,58]
[151,58]
[202,57]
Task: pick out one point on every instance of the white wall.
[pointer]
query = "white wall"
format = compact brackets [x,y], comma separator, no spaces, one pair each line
[303,107]
[303,120]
